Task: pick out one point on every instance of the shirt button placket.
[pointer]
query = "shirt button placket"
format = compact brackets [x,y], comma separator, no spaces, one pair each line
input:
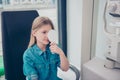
[47,66]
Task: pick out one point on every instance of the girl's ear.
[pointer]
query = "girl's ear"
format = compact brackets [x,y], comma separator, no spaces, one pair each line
[33,32]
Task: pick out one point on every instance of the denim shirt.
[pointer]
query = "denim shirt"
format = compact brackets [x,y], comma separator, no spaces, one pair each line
[39,65]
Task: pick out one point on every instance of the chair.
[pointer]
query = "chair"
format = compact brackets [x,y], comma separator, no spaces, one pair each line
[72,74]
[16,27]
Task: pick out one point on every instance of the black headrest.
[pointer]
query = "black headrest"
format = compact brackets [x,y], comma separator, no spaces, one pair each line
[16,28]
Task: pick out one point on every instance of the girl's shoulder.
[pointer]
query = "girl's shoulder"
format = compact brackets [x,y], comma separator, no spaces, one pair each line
[28,51]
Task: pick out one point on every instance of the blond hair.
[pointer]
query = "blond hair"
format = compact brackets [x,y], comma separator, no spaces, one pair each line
[37,23]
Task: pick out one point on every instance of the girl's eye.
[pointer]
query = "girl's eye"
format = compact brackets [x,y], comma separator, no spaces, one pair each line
[44,32]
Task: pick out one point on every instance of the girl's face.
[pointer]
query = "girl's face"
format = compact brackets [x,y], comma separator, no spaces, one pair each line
[41,34]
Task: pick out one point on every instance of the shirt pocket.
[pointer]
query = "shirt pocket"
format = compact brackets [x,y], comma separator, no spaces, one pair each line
[39,66]
[53,63]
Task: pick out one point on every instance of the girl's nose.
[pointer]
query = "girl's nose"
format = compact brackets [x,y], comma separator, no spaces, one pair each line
[46,35]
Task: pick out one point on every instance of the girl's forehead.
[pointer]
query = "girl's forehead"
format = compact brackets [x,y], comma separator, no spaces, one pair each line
[45,27]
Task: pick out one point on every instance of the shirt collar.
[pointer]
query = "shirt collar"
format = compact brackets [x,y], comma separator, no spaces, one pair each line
[37,49]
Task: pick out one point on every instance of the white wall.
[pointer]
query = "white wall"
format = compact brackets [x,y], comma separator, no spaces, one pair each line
[74,27]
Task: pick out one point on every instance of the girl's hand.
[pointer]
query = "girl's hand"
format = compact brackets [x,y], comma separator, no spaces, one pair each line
[54,48]
[64,64]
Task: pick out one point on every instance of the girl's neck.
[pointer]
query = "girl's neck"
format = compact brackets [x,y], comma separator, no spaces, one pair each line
[41,46]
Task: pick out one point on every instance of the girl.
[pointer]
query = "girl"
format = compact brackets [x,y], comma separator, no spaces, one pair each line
[39,61]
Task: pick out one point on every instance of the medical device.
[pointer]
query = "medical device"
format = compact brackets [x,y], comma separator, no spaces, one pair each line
[53,36]
[112,31]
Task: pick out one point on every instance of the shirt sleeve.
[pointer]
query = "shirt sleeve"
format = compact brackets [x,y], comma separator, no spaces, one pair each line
[32,77]
[28,67]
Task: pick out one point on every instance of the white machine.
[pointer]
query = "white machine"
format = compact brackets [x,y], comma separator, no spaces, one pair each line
[112,31]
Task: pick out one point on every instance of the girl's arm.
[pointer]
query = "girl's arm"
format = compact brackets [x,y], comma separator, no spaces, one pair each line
[28,69]
[64,64]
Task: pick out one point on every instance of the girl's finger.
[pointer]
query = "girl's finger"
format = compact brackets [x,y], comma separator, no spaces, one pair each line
[52,43]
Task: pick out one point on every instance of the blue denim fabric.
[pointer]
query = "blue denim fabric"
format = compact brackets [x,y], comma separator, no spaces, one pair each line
[39,65]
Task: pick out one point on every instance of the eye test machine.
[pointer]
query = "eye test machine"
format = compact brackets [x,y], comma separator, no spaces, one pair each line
[112,21]
[108,69]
